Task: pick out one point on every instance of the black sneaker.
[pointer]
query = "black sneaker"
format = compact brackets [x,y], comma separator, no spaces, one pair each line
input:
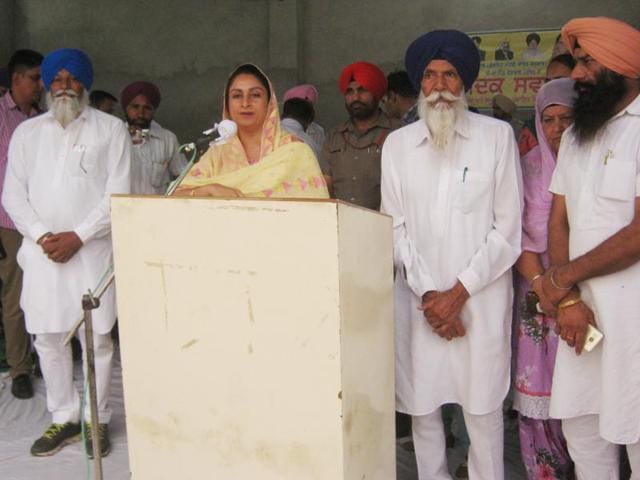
[21,386]
[103,435]
[57,436]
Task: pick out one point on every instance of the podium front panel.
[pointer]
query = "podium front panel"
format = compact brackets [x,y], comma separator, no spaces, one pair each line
[256,338]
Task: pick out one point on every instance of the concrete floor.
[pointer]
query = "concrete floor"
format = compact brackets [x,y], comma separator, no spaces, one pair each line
[22,421]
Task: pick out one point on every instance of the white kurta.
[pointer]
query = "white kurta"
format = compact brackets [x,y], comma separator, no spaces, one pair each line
[295,128]
[455,217]
[61,180]
[600,182]
[153,160]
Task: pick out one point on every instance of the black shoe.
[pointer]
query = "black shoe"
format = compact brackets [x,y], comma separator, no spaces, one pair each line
[21,386]
[57,436]
[103,435]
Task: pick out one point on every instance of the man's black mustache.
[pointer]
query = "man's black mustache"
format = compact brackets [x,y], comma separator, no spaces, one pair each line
[139,122]
[583,87]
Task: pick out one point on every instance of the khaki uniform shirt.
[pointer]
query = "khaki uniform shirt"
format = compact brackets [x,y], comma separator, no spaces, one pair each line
[352,160]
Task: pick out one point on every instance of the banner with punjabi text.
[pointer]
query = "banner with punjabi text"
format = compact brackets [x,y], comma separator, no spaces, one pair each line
[513,64]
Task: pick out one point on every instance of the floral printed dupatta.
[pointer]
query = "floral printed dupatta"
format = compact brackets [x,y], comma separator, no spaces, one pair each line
[287,168]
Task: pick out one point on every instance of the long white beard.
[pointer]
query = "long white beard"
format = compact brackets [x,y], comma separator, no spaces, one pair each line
[440,111]
[65,109]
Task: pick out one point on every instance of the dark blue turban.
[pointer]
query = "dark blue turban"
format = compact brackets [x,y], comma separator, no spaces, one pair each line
[451,45]
[76,62]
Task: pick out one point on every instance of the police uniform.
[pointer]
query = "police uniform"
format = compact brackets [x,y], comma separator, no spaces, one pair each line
[352,160]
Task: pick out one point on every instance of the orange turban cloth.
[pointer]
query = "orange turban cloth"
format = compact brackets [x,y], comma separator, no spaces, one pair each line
[610,42]
[367,75]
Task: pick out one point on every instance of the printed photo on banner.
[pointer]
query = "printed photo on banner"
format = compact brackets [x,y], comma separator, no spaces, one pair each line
[513,64]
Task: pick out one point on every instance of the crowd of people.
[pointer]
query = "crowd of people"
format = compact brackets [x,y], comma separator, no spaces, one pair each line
[516,244]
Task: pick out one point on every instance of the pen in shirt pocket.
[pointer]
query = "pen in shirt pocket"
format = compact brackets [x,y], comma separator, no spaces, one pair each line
[608,156]
[81,150]
[464,174]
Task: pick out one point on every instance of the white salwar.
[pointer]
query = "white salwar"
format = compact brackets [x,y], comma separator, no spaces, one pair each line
[600,181]
[60,180]
[63,400]
[456,216]
[154,161]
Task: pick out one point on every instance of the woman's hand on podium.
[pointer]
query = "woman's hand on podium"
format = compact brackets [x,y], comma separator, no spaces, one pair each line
[212,190]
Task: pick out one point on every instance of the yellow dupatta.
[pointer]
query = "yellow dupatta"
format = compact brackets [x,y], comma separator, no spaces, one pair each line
[287,167]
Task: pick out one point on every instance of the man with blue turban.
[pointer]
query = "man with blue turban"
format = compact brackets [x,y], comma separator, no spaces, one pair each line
[451,182]
[62,168]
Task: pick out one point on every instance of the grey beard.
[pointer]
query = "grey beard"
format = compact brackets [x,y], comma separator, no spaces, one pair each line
[66,109]
[441,122]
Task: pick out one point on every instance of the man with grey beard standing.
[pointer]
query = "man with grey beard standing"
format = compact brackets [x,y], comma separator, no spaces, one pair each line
[451,182]
[62,168]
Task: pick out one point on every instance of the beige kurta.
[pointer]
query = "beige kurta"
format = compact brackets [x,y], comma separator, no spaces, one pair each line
[455,217]
[600,182]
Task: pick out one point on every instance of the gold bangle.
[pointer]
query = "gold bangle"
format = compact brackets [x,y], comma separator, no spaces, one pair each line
[569,303]
[555,285]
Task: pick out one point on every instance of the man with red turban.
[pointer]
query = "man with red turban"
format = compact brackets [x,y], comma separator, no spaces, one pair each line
[594,248]
[154,156]
[351,154]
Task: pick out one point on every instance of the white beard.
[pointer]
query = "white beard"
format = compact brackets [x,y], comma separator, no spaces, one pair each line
[65,109]
[439,111]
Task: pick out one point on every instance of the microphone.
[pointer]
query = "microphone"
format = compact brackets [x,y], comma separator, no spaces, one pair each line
[218,134]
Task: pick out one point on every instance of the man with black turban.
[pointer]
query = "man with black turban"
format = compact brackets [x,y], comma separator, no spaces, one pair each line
[350,157]
[63,167]
[451,182]
[594,247]
[154,155]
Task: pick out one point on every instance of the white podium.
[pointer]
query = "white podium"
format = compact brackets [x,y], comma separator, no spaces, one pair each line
[256,338]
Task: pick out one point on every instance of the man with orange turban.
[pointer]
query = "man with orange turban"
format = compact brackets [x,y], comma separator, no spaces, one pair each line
[350,156]
[594,247]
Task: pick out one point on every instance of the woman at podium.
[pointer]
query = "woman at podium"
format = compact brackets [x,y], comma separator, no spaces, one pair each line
[261,160]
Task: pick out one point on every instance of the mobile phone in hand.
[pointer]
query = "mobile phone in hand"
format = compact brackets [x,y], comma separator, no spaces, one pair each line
[593,338]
